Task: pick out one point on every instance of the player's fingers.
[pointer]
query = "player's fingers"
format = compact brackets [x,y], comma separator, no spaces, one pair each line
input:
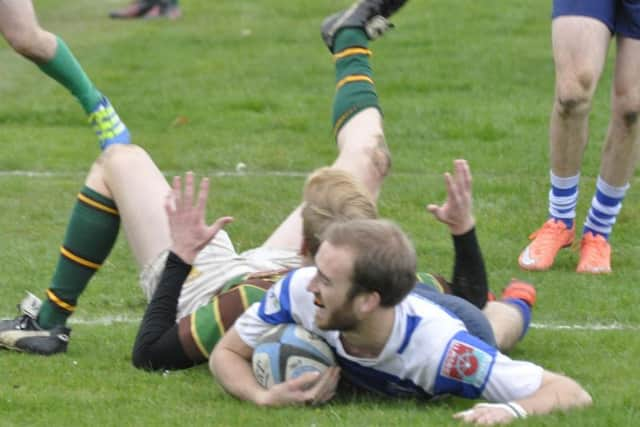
[214,228]
[453,189]
[188,189]
[449,182]
[326,386]
[176,187]
[203,195]
[333,378]
[436,211]
[465,175]
[304,381]
[463,415]
[170,203]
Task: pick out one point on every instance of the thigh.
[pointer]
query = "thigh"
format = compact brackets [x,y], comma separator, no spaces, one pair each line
[580,47]
[363,151]
[139,190]
[472,317]
[627,71]
[16,15]
[288,235]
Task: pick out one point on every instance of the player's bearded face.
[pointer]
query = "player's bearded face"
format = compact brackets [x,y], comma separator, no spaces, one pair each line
[330,287]
[340,318]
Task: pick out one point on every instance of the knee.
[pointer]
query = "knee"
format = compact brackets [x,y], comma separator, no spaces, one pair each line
[373,153]
[117,156]
[626,107]
[24,41]
[379,155]
[574,95]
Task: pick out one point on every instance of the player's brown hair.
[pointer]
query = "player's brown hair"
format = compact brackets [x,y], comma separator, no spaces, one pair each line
[384,257]
[332,195]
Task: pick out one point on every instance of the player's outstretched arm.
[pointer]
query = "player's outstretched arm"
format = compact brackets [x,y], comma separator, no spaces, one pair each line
[189,231]
[457,210]
[557,392]
[230,363]
[469,280]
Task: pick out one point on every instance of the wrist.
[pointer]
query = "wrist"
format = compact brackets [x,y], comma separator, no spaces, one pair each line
[261,397]
[462,228]
[187,256]
[515,409]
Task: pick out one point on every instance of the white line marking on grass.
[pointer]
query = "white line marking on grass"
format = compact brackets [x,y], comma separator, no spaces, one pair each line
[106,320]
[52,174]
[615,326]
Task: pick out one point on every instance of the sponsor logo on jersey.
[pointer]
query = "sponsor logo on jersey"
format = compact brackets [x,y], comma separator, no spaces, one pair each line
[193,274]
[271,302]
[466,363]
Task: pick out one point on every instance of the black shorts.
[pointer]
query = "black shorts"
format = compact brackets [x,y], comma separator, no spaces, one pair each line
[620,16]
[472,317]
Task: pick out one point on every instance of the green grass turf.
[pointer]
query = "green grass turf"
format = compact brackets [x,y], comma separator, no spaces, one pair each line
[252,82]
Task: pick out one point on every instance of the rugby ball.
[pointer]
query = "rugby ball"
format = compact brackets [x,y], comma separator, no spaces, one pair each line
[288,351]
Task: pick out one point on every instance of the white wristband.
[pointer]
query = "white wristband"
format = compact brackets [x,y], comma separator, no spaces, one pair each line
[512,407]
[519,410]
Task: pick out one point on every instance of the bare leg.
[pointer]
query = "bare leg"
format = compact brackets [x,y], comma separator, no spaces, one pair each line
[622,146]
[363,153]
[579,48]
[506,322]
[19,26]
[126,174]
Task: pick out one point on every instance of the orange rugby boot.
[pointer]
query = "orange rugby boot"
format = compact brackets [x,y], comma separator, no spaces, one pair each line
[595,254]
[545,244]
[520,290]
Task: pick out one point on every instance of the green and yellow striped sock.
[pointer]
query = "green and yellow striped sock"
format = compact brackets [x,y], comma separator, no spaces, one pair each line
[91,233]
[355,90]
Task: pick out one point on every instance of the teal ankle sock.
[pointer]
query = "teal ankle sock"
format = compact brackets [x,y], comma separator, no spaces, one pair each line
[66,70]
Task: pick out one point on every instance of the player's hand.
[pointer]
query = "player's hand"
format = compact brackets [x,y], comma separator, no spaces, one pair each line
[486,414]
[311,388]
[457,210]
[189,231]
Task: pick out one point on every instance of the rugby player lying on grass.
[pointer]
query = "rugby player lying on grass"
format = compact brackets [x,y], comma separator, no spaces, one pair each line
[386,338]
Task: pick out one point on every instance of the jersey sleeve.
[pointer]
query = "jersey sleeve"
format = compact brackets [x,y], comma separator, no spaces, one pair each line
[284,302]
[512,380]
[471,368]
[465,366]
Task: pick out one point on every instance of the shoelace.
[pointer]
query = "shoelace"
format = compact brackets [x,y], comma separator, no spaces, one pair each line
[547,233]
[23,322]
[596,250]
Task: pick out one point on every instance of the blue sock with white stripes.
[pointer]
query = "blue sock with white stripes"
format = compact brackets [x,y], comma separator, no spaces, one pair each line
[563,198]
[605,206]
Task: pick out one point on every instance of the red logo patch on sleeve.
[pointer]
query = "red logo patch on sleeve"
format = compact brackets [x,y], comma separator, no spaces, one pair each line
[466,363]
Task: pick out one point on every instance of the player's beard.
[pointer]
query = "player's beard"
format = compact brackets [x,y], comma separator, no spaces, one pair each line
[342,318]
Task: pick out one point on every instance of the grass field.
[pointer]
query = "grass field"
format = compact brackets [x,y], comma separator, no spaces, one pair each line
[251,81]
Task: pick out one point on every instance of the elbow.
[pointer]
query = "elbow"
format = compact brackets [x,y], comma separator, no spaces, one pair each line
[141,358]
[583,398]
[580,398]
[140,361]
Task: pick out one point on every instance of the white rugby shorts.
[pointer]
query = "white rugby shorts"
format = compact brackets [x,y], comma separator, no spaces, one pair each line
[214,266]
